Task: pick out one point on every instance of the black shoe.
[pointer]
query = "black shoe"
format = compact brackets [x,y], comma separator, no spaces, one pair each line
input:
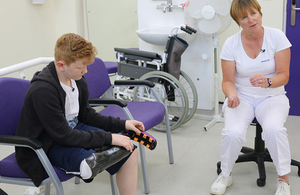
[143,138]
[101,160]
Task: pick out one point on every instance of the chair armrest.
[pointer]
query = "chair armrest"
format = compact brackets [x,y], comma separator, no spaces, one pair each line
[135,83]
[36,146]
[20,141]
[107,101]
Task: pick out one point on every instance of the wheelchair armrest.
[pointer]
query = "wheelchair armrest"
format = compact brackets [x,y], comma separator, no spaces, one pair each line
[138,54]
[20,141]
[107,101]
[135,83]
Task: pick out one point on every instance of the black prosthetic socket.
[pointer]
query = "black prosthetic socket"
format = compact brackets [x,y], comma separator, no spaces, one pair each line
[105,157]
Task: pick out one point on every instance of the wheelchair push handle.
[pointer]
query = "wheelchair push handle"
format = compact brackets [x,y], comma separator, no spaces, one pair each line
[188,29]
[184,28]
[191,29]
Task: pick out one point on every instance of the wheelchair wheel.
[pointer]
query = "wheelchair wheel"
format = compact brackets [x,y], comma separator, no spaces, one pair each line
[191,92]
[172,94]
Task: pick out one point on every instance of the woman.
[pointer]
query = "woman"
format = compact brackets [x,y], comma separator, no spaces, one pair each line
[255,64]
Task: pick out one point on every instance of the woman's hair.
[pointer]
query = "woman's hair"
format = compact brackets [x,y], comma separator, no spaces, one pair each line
[239,8]
[71,47]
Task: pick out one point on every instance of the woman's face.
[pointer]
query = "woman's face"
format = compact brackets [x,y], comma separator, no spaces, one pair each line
[251,22]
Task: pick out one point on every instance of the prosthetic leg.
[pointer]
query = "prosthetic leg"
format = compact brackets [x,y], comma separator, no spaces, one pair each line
[105,157]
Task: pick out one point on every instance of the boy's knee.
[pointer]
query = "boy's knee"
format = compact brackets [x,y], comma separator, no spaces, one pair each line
[135,155]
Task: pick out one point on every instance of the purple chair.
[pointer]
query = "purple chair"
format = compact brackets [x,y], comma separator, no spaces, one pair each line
[150,113]
[112,67]
[12,95]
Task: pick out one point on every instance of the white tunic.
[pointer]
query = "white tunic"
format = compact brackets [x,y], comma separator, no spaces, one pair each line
[233,50]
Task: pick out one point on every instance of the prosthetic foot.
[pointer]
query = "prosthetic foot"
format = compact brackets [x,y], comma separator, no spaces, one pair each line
[108,156]
[143,138]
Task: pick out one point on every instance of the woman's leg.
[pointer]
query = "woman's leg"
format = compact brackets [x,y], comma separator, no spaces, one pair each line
[272,114]
[237,121]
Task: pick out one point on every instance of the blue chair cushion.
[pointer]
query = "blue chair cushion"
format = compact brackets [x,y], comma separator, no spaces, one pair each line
[155,112]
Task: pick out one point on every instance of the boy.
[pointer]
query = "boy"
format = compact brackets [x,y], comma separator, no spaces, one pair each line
[57,113]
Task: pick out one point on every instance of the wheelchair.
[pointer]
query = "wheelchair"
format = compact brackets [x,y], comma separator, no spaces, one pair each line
[174,86]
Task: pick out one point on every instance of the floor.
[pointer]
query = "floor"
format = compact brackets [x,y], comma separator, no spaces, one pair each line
[196,153]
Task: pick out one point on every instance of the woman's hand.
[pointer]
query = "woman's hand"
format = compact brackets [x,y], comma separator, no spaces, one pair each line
[259,80]
[233,101]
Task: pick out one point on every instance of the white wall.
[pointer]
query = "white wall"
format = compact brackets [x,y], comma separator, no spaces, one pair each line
[112,25]
[29,31]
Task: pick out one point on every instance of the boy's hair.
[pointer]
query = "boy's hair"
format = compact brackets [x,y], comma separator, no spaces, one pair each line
[239,8]
[71,47]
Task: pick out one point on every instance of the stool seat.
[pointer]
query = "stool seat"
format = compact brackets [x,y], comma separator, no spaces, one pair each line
[259,154]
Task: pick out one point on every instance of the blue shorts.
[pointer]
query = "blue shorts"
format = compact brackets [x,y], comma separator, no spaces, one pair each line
[69,158]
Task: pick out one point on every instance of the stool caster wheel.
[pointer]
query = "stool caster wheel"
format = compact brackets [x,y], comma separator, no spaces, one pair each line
[219,170]
[260,182]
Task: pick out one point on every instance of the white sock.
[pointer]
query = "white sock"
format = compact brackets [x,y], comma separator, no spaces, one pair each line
[85,170]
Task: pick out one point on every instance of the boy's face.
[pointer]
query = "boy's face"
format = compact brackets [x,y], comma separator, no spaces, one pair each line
[75,70]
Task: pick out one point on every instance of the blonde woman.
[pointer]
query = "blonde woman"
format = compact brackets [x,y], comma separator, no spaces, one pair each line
[255,64]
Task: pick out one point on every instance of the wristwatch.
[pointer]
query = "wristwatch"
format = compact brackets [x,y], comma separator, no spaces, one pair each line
[269,82]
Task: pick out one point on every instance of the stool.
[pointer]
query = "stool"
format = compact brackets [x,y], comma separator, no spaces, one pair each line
[259,154]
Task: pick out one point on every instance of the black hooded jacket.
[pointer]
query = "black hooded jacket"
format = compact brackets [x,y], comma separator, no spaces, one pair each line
[43,118]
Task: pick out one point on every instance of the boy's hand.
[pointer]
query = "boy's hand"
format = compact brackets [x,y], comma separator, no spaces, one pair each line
[121,140]
[134,125]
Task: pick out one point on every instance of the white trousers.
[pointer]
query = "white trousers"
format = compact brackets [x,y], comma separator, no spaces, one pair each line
[271,113]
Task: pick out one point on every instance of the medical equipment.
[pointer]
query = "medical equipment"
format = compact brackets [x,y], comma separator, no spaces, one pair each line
[210,18]
[175,87]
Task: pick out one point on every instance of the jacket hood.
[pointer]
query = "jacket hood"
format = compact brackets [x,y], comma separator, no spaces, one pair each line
[49,75]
